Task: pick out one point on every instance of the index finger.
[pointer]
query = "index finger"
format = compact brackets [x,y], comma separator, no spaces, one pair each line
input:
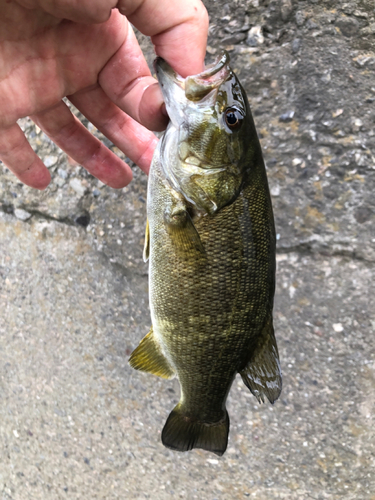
[178,30]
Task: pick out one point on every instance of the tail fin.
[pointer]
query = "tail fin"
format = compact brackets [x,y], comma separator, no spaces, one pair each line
[181,433]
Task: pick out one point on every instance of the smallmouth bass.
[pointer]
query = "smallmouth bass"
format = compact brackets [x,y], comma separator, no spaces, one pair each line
[210,241]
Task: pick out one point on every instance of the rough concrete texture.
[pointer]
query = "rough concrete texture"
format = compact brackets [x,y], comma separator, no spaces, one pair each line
[76,422]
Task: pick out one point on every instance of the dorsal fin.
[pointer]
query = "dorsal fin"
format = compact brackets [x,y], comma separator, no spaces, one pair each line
[262,374]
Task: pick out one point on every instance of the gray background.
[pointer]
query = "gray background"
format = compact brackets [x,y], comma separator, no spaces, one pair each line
[76,422]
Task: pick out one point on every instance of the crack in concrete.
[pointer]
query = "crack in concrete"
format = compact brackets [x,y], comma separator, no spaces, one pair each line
[307,249]
[68,220]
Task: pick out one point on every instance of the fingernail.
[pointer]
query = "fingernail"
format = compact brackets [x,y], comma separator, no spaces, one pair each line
[163,109]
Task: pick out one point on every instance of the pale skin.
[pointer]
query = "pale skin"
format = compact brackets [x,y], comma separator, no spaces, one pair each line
[86,50]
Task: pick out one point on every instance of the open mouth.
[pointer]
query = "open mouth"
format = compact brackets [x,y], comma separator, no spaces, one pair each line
[198,86]
[195,87]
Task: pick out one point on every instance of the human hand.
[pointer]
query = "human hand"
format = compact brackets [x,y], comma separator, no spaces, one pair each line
[88,52]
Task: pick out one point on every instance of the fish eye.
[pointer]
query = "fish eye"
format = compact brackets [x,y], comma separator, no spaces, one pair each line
[233,118]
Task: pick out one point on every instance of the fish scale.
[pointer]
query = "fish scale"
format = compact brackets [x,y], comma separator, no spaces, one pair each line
[211,248]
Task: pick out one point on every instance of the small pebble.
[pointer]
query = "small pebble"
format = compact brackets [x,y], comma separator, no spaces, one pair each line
[234,39]
[296,45]
[59,181]
[76,184]
[255,36]
[337,113]
[311,25]
[357,125]
[348,26]
[364,60]
[62,173]
[300,18]
[296,162]
[210,50]
[50,161]
[286,9]
[233,26]
[286,117]
[338,327]
[22,214]
[212,461]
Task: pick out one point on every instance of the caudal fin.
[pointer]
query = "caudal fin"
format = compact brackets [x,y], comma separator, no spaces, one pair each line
[181,433]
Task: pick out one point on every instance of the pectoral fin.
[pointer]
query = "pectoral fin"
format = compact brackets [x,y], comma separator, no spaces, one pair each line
[146,249]
[182,230]
[262,374]
[148,357]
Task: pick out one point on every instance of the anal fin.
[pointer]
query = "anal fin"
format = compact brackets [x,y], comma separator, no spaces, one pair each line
[147,357]
[262,374]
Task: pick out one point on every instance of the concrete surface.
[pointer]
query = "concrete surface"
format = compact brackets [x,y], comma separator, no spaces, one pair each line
[76,422]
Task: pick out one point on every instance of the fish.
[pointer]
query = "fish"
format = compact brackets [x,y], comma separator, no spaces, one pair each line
[210,242]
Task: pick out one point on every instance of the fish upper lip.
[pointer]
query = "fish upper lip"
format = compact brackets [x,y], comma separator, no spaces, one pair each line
[195,86]
[211,70]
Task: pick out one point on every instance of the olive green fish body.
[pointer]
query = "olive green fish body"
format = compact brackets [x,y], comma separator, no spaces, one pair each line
[212,281]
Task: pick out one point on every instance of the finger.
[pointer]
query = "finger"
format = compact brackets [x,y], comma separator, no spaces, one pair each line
[131,137]
[177,29]
[84,11]
[37,72]
[17,154]
[127,81]
[65,130]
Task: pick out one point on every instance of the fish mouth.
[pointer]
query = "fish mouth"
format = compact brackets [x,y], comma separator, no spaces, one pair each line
[178,91]
[198,86]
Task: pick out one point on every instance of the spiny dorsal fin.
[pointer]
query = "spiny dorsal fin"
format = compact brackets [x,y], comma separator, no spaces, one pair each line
[146,249]
[148,357]
[262,374]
